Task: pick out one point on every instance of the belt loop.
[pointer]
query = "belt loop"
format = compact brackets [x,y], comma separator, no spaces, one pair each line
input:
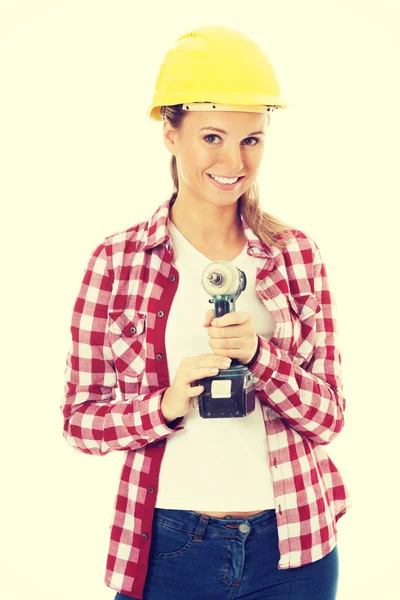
[201,527]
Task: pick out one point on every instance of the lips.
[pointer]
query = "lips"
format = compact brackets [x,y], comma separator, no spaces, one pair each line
[225,186]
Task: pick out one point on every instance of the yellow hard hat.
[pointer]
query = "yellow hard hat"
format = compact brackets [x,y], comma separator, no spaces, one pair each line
[216,68]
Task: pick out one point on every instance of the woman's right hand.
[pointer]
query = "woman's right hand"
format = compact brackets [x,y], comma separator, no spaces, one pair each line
[176,399]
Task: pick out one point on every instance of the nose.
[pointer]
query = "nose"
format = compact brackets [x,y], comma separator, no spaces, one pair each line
[232,159]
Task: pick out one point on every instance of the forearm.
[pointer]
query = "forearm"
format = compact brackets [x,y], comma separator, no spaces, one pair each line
[311,402]
[99,427]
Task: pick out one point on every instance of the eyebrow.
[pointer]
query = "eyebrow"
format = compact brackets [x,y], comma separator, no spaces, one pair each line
[222,130]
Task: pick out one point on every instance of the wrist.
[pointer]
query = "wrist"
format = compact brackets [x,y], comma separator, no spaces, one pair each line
[168,415]
[253,360]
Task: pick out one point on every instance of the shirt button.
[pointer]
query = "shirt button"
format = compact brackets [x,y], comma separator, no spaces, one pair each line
[132,330]
[172,278]
[160,443]
[160,313]
[145,536]
[151,490]
[159,356]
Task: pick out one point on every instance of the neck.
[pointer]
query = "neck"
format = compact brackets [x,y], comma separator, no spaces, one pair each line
[204,221]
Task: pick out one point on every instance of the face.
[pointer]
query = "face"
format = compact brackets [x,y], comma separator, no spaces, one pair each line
[200,151]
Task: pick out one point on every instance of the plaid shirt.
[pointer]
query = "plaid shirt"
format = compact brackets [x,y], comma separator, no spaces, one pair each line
[118,330]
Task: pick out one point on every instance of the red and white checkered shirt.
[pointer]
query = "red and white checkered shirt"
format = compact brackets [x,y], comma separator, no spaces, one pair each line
[118,333]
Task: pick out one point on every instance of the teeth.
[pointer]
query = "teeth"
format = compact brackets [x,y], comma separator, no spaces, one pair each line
[224,179]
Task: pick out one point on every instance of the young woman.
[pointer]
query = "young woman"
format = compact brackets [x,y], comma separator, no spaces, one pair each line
[212,508]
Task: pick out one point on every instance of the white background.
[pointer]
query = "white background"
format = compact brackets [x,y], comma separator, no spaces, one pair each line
[80,160]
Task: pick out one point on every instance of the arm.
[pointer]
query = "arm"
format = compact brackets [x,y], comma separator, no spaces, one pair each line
[309,399]
[94,421]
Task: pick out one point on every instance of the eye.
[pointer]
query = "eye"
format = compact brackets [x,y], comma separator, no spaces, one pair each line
[213,135]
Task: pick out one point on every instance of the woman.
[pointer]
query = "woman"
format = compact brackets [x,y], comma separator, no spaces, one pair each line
[212,508]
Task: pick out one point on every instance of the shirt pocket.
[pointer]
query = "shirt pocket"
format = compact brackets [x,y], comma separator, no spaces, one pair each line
[303,311]
[127,335]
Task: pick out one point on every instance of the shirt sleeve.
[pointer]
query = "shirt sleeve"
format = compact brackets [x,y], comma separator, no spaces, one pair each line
[95,422]
[309,399]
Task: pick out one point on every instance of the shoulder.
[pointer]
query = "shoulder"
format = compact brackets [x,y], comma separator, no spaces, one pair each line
[301,247]
[127,240]
[131,233]
[117,249]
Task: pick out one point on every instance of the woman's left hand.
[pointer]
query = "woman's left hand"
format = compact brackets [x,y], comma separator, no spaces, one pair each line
[232,335]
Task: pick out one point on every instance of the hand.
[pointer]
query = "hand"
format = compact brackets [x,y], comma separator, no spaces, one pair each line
[176,398]
[233,335]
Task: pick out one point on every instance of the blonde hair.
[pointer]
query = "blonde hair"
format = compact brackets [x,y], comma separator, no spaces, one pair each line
[266,226]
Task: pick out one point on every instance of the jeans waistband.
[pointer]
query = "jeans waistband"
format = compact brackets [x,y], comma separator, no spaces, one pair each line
[187,519]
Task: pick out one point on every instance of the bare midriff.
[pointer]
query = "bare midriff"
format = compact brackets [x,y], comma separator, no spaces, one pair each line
[222,515]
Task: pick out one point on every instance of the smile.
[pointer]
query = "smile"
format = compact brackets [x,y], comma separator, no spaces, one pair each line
[223,183]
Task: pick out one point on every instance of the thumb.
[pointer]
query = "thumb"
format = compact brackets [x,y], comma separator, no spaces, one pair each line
[209,317]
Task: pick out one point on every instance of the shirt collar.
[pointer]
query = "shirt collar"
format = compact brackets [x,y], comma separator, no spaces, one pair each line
[156,233]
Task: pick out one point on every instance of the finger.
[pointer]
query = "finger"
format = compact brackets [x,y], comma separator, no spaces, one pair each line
[231,318]
[209,317]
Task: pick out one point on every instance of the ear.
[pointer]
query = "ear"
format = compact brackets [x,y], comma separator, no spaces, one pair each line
[169,135]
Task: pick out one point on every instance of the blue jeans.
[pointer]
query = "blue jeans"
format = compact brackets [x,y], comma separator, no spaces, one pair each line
[204,558]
